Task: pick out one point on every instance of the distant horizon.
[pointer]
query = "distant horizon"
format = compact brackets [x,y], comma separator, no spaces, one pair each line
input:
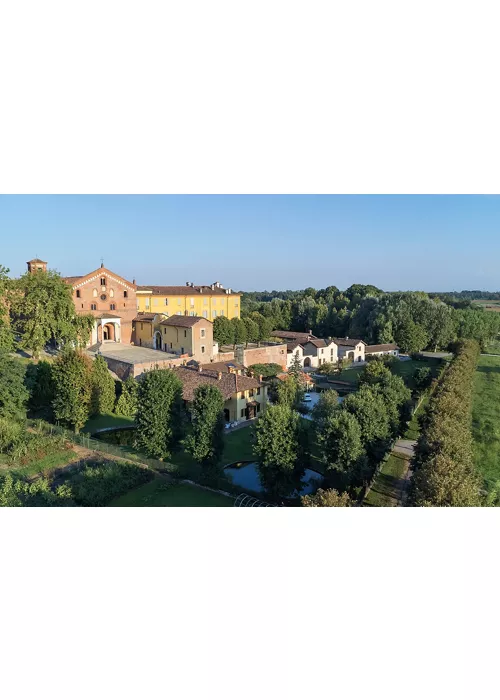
[262,242]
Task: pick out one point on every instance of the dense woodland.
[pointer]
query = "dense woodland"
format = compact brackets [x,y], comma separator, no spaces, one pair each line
[414,320]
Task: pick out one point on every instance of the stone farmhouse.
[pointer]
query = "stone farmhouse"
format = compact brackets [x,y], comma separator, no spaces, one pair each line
[384,349]
[314,352]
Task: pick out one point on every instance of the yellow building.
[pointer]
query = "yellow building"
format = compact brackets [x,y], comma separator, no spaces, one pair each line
[206,301]
[190,336]
[245,398]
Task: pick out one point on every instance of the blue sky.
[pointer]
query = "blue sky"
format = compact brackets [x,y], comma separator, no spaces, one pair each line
[433,243]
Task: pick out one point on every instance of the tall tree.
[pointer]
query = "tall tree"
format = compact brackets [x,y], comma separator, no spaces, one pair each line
[252,330]
[127,401]
[277,449]
[159,415]
[370,410]
[6,335]
[206,441]
[40,384]
[289,392]
[13,392]
[223,331]
[72,376]
[329,498]
[339,442]
[43,310]
[103,388]
[239,331]
[295,369]
[327,405]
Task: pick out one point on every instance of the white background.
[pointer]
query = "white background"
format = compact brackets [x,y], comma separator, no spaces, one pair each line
[233,97]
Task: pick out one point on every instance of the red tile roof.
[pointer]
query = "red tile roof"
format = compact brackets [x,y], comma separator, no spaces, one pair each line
[183,321]
[183,291]
[229,384]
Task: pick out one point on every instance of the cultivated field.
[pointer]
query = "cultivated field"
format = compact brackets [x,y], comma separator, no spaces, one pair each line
[488,304]
[486,419]
[161,494]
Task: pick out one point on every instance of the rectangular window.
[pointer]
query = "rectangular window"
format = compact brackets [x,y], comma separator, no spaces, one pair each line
[112,307]
[258,391]
[125,294]
[202,349]
[202,333]
[242,414]
[182,351]
[103,281]
[179,313]
[82,306]
[257,408]
[236,302]
[77,293]
[205,302]
[93,307]
[205,314]
[192,313]
[178,302]
[166,302]
[214,313]
[221,312]
[185,334]
[142,326]
[191,302]
[155,302]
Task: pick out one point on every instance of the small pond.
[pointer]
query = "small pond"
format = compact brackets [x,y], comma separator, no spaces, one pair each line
[246,475]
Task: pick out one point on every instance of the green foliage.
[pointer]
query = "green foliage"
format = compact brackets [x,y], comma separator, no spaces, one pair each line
[43,310]
[11,434]
[103,388]
[340,444]
[223,331]
[279,450]
[127,402]
[373,372]
[295,369]
[327,405]
[13,392]
[289,392]
[206,441]
[266,370]
[329,498]
[6,335]
[17,491]
[72,376]
[423,377]
[252,328]
[329,368]
[239,331]
[444,467]
[97,484]
[40,384]
[159,415]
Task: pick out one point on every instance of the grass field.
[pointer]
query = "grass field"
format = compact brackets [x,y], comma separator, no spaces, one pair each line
[386,490]
[486,419]
[488,304]
[404,369]
[492,347]
[47,464]
[158,493]
[106,420]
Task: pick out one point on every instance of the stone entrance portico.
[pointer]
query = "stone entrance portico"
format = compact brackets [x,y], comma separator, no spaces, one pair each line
[107,328]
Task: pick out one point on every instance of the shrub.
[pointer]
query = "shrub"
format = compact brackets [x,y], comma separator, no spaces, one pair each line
[97,484]
[327,498]
[17,491]
[11,434]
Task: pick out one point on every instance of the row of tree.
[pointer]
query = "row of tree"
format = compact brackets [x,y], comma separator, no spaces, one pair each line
[413,320]
[445,474]
[250,329]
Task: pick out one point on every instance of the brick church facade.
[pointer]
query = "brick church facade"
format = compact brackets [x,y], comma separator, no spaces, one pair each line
[111,299]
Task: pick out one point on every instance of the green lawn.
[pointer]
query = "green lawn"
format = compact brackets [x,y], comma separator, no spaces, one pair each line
[106,420]
[486,419]
[47,464]
[404,369]
[159,493]
[387,487]
[493,347]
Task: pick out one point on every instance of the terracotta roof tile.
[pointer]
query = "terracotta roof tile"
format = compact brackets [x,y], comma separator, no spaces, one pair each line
[183,321]
[229,384]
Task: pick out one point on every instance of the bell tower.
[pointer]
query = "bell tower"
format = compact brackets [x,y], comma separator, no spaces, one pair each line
[36,265]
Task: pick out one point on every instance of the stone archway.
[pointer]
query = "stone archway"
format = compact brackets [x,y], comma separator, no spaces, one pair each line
[157,340]
[108,332]
[307,361]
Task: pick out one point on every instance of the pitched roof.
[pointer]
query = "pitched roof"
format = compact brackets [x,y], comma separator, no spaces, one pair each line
[229,383]
[183,291]
[144,316]
[222,366]
[381,348]
[100,272]
[183,321]
[292,335]
[290,347]
[348,342]
[70,280]
[37,260]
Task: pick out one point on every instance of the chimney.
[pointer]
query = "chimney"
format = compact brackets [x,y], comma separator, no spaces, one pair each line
[219,376]
[133,281]
[187,284]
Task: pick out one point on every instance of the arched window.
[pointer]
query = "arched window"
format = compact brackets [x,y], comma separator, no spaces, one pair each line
[111,293]
[94,293]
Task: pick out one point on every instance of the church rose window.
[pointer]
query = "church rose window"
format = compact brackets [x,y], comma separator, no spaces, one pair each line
[103,297]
